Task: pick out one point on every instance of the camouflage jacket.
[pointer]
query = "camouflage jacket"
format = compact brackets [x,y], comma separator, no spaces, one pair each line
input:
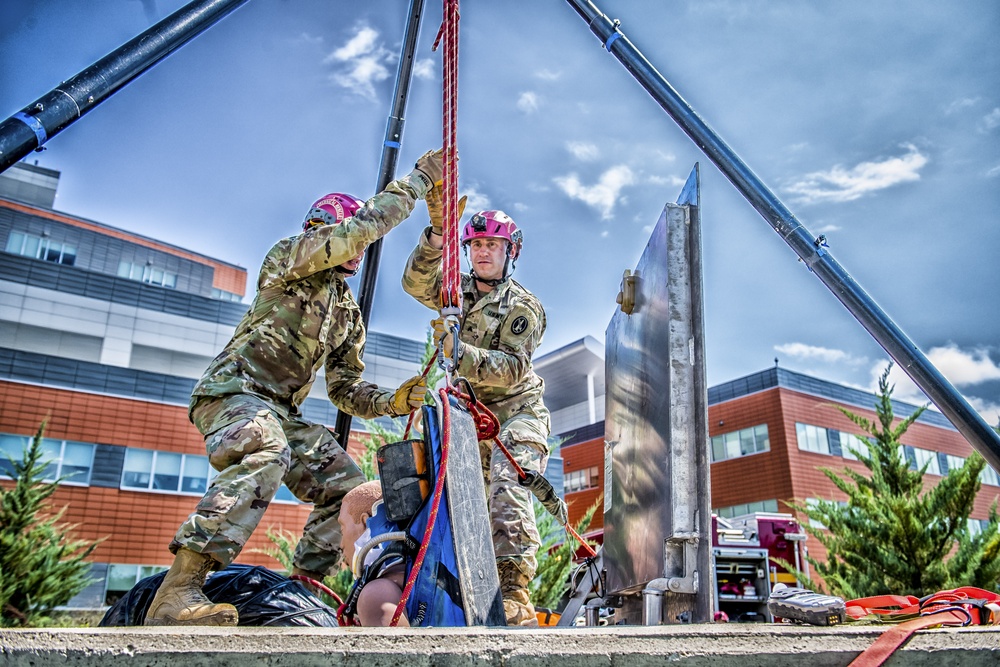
[501,331]
[304,314]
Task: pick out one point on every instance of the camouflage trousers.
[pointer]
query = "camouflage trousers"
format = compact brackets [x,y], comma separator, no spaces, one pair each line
[255,450]
[512,514]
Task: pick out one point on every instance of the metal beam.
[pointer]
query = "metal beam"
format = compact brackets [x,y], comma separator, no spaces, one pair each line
[808,247]
[387,172]
[32,126]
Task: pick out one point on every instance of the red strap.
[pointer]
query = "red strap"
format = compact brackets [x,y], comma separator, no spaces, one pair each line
[896,636]
[883,605]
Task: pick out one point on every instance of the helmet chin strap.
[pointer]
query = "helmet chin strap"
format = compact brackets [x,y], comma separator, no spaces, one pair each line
[347,272]
[495,281]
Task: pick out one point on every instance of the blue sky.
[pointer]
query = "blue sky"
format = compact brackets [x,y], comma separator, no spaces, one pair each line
[876,122]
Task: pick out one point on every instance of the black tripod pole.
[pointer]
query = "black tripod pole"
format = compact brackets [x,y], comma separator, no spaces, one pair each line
[32,126]
[810,249]
[387,172]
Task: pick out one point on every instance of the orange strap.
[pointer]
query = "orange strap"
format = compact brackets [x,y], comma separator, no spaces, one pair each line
[966,605]
[896,636]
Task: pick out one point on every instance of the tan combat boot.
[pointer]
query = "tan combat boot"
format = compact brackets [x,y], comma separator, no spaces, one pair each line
[180,600]
[516,599]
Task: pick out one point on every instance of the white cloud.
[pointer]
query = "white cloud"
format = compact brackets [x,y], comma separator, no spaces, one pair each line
[995,171]
[583,151]
[548,75]
[827,228]
[841,185]
[528,102]
[960,104]
[991,121]
[477,200]
[364,62]
[604,194]
[814,352]
[962,368]
[423,69]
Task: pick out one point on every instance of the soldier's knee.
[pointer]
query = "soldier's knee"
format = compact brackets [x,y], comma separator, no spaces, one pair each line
[260,437]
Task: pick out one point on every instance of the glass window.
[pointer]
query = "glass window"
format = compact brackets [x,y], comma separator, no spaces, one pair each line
[68,255]
[62,459]
[121,579]
[925,456]
[989,476]
[578,480]
[812,438]
[137,471]
[849,441]
[195,479]
[747,508]
[166,471]
[11,449]
[740,443]
[169,279]
[124,269]
[954,462]
[15,243]
[77,462]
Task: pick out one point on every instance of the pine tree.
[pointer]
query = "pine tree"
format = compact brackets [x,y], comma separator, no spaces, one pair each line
[894,536]
[555,564]
[40,566]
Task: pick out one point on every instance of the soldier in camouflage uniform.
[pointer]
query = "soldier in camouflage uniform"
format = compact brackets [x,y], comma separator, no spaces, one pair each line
[501,327]
[303,317]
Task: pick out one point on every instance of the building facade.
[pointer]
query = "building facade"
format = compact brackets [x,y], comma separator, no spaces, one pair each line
[103,334]
[770,434]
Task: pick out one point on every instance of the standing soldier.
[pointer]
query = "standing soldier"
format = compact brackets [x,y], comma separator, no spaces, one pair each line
[502,325]
[247,402]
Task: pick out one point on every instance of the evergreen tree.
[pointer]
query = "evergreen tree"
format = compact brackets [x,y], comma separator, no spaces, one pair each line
[40,566]
[555,564]
[893,536]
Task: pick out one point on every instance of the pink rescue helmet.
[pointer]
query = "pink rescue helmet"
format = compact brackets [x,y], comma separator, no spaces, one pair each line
[331,209]
[494,225]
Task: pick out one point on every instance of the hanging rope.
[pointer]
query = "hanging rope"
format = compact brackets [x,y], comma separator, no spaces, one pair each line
[451,278]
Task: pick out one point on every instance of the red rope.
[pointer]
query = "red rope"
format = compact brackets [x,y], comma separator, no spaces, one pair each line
[432,517]
[451,293]
[409,420]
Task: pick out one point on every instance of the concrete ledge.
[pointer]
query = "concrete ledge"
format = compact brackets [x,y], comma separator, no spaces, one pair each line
[692,645]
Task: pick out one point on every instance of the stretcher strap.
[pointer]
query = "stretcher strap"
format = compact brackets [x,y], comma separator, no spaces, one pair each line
[435,505]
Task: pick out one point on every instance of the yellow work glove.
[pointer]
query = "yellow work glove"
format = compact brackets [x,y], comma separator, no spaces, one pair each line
[429,169]
[435,208]
[442,333]
[409,396]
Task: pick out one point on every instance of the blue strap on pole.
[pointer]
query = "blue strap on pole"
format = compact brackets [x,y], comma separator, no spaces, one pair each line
[391,144]
[40,135]
[611,40]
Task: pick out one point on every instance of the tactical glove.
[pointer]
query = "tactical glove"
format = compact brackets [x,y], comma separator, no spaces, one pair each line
[435,208]
[429,169]
[409,396]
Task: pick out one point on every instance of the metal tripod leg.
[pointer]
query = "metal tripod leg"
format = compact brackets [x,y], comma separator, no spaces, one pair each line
[588,583]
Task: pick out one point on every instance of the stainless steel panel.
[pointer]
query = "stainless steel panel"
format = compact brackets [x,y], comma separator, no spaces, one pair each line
[656,513]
